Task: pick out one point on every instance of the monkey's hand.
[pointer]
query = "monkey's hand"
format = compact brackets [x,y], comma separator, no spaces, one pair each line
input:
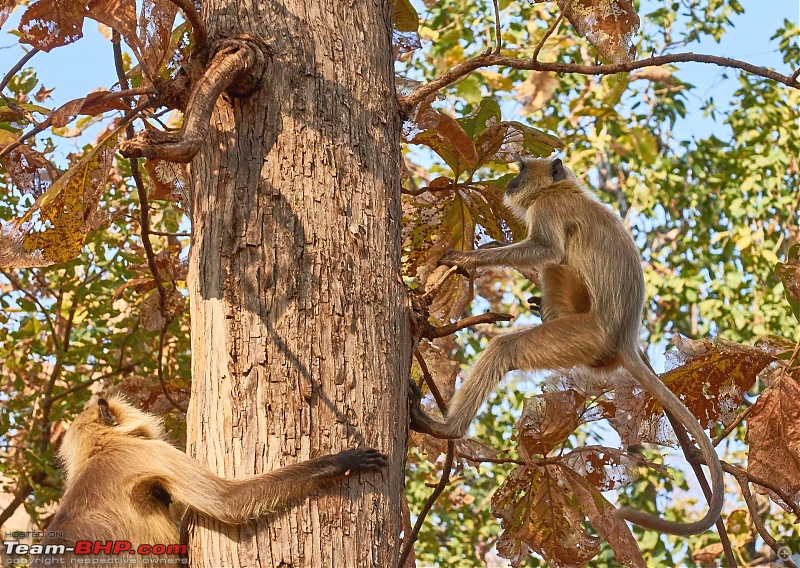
[456,258]
[351,461]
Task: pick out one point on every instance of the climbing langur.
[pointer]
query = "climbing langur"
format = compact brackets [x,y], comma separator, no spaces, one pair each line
[591,306]
[121,476]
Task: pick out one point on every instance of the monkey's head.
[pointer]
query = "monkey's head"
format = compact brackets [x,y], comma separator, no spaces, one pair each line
[103,424]
[535,176]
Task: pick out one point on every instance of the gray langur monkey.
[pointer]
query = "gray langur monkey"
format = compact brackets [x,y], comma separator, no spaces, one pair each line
[591,305]
[121,475]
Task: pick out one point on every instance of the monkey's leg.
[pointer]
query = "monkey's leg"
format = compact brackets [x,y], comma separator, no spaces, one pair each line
[562,343]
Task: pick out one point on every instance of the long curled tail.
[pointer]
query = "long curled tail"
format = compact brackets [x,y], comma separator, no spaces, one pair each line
[637,365]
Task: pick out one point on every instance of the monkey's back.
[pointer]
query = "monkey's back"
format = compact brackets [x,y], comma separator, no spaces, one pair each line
[111,499]
[598,245]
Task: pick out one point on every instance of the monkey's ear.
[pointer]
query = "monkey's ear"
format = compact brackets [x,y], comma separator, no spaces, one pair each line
[519,160]
[105,413]
[557,170]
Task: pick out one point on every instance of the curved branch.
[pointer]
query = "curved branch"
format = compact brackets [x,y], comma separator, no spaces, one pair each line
[230,64]
[488,317]
[411,537]
[408,102]
[198,29]
[743,481]
[13,71]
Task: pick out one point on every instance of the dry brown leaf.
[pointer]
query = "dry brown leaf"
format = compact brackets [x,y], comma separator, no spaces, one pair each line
[445,136]
[711,385]
[152,319]
[155,28]
[119,15]
[600,513]
[169,181]
[29,170]
[52,23]
[608,468]
[54,228]
[708,555]
[609,25]
[548,419]
[6,7]
[536,90]
[773,435]
[537,514]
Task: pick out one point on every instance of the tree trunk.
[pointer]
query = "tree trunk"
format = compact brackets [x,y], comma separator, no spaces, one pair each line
[300,341]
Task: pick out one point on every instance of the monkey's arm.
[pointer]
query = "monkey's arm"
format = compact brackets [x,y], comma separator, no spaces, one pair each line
[544,245]
[237,501]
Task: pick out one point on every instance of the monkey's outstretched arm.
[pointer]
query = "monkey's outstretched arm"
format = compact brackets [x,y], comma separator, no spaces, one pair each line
[544,245]
[526,254]
[237,501]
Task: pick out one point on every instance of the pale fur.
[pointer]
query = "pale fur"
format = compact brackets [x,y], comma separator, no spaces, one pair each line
[118,475]
[571,234]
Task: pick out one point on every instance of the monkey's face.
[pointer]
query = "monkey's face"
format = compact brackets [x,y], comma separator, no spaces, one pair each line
[535,175]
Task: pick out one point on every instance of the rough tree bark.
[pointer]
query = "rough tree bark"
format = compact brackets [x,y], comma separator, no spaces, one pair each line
[300,341]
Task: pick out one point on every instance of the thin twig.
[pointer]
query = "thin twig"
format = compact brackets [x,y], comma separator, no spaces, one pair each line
[550,30]
[13,71]
[144,223]
[168,234]
[160,375]
[199,35]
[724,434]
[795,75]
[426,374]
[408,102]
[498,36]
[687,446]
[489,317]
[753,508]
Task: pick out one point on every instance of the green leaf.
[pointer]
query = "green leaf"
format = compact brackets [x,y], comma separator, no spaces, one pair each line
[405,17]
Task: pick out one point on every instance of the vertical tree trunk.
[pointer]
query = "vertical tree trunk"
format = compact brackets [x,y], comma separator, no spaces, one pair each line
[300,341]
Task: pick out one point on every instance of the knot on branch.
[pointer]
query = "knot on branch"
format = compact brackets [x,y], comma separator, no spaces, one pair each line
[237,66]
[248,79]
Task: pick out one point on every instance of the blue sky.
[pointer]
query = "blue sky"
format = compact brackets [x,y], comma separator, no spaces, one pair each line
[77,68]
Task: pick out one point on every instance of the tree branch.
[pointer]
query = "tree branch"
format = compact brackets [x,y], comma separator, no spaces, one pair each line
[549,32]
[236,61]
[688,447]
[743,481]
[199,35]
[488,317]
[498,35]
[411,538]
[13,71]
[732,426]
[426,374]
[408,102]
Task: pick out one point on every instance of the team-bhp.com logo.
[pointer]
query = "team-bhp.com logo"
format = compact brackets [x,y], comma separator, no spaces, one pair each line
[91,548]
